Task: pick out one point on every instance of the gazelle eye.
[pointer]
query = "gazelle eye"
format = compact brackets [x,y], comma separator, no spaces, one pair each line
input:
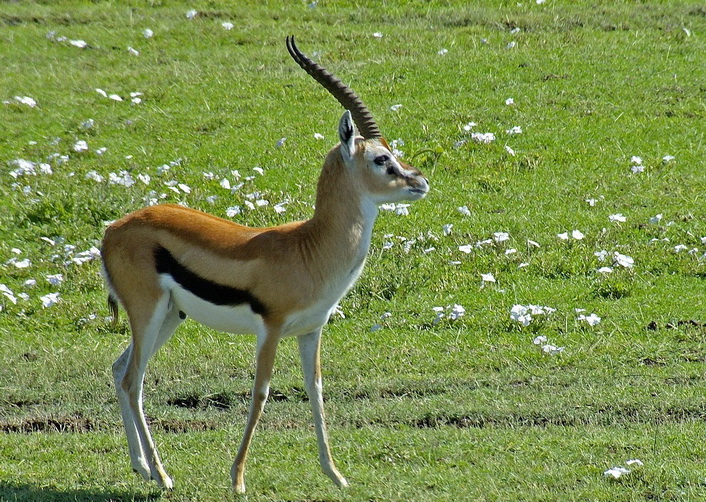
[380,160]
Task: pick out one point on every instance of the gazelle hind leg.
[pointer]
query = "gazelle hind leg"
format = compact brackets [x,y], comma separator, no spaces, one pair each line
[137,454]
[265,358]
[148,337]
[309,347]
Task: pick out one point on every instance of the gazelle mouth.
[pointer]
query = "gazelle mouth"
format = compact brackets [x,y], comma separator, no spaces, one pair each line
[418,191]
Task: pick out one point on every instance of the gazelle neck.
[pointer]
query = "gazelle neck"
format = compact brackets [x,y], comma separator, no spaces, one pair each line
[343,220]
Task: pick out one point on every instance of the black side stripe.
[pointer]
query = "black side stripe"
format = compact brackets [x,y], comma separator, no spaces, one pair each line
[207,290]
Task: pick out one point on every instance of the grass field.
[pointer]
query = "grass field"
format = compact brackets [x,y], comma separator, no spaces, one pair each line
[590,197]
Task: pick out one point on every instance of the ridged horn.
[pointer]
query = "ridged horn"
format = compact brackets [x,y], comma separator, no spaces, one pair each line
[361,115]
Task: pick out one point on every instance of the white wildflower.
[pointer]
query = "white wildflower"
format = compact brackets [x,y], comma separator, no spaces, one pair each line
[133,52]
[123,178]
[227,25]
[501,237]
[93,175]
[80,146]
[509,102]
[457,311]
[85,256]
[55,279]
[395,108]
[487,278]
[464,210]
[26,100]
[514,130]
[483,137]
[591,320]
[552,350]
[50,300]
[616,472]
[617,218]
[7,293]
[147,33]
[520,314]
[26,263]
[191,14]
[623,260]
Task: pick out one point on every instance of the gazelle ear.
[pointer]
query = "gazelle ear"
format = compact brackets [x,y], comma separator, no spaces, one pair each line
[346,133]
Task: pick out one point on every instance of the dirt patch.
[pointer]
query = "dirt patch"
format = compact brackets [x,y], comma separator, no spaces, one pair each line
[607,416]
[228,400]
[52,424]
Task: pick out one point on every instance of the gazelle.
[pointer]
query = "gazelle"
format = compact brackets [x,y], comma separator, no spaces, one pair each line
[166,262]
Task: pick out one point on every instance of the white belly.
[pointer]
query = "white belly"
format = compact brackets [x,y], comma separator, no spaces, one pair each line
[231,319]
[240,319]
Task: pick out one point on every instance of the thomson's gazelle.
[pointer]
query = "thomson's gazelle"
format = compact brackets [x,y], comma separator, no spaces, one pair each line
[166,263]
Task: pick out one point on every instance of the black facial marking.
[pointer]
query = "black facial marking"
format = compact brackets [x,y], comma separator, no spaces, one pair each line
[207,290]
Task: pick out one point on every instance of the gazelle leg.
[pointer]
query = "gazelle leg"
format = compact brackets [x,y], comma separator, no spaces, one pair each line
[137,454]
[129,372]
[309,348]
[265,358]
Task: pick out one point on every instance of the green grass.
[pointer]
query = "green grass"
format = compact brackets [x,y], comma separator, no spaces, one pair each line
[468,409]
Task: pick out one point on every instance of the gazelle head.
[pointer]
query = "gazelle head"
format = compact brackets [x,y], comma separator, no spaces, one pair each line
[383,178]
[368,157]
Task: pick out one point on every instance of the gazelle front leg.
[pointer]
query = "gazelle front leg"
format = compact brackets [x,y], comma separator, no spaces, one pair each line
[309,349]
[265,358]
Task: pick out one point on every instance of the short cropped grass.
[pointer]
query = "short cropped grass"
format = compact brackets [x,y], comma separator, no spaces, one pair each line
[610,102]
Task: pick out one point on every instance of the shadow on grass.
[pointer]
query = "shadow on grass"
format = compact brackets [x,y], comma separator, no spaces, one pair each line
[28,492]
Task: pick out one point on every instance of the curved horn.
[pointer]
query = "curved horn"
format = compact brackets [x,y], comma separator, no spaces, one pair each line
[361,115]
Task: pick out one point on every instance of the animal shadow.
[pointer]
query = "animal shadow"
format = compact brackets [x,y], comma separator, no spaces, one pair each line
[29,492]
